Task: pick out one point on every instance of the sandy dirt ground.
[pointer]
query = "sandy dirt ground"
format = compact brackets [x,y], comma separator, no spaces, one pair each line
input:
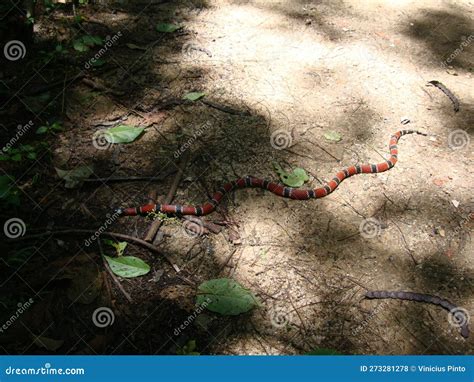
[288,73]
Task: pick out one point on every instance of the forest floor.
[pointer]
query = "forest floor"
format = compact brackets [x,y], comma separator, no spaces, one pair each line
[299,70]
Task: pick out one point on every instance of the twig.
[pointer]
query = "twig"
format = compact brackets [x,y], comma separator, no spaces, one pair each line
[405,243]
[130,178]
[226,261]
[116,280]
[223,108]
[122,236]
[327,152]
[155,226]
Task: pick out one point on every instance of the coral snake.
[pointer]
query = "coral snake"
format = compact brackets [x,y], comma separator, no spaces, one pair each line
[277,189]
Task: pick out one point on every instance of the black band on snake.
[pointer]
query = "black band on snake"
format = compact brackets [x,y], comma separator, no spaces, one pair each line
[459,315]
[277,189]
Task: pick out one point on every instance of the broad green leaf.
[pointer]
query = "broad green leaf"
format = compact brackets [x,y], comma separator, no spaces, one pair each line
[194,96]
[26,148]
[74,178]
[119,246]
[323,351]
[42,130]
[97,40]
[225,296]
[122,134]
[296,178]
[16,157]
[167,28]
[98,63]
[332,136]
[128,266]
[188,349]
[56,126]
[31,155]
[80,46]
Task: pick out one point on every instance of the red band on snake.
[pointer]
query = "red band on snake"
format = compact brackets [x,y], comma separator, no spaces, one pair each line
[277,189]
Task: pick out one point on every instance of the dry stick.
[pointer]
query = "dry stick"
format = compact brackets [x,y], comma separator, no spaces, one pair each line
[129,178]
[122,236]
[226,261]
[116,280]
[405,243]
[155,226]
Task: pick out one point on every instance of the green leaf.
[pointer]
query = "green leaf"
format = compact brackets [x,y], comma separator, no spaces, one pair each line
[128,266]
[42,130]
[80,46]
[56,126]
[16,157]
[122,134]
[167,28]
[31,155]
[75,177]
[98,63]
[188,349]
[119,247]
[194,96]
[323,351]
[97,40]
[332,136]
[92,40]
[294,179]
[225,296]
[26,148]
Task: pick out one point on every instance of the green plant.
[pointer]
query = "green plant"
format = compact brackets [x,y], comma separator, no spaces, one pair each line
[163,217]
[188,349]
[84,43]
[17,154]
[49,129]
